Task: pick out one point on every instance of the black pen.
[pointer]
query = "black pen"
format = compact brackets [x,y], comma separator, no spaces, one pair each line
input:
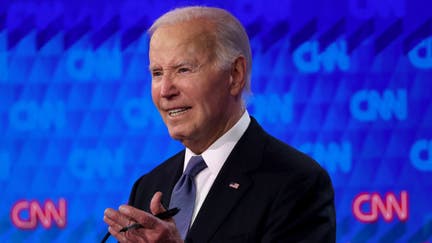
[164,215]
[167,213]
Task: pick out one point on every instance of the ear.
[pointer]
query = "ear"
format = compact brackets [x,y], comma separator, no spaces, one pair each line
[238,76]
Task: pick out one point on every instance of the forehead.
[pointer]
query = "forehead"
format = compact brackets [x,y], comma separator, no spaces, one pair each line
[191,29]
[187,38]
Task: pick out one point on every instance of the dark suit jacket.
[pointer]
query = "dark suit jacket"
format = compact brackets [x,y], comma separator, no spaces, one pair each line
[283,195]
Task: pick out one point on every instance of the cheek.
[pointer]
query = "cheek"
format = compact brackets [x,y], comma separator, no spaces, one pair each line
[213,102]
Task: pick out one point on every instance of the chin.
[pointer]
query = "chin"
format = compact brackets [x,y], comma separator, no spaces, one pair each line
[181,131]
[176,135]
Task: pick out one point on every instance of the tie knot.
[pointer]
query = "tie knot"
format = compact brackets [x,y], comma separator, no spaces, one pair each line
[195,165]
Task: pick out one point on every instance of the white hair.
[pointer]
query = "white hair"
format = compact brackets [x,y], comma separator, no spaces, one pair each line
[231,37]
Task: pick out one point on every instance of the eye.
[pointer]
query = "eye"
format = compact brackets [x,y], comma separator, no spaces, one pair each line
[156,73]
[184,70]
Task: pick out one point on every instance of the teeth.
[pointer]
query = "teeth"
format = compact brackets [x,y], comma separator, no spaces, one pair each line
[177,112]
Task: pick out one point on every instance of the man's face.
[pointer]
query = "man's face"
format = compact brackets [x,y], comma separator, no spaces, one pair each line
[191,93]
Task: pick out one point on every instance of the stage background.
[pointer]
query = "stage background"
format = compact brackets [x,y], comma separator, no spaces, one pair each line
[348,82]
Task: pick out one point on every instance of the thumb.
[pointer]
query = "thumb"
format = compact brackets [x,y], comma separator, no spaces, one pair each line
[156,205]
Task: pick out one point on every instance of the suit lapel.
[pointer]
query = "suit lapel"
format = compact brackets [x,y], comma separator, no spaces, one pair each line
[172,175]
[230,185]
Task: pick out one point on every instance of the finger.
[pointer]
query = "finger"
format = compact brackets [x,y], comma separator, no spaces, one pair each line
[121,237]
[116,217]
[128,236]
[145,219]
[156,204]
[114,225]
[154,229]
[111,223]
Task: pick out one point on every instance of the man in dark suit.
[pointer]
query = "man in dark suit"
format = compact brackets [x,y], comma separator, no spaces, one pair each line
[251,187]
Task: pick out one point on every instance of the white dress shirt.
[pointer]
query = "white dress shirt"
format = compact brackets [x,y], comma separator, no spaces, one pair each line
[215,157]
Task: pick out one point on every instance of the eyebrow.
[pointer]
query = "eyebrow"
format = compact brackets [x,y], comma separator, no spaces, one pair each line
[175,66]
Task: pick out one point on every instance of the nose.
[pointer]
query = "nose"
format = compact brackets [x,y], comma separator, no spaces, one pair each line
[168,88]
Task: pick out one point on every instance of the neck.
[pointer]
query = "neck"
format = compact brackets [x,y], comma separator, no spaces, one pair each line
[198,146]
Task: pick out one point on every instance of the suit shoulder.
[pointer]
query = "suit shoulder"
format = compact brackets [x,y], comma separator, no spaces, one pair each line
[276,155]
[284,157]
[158,179]
[166,167]
[291,168]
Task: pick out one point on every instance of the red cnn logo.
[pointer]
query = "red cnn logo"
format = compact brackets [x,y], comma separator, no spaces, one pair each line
[386,207]
[36,212]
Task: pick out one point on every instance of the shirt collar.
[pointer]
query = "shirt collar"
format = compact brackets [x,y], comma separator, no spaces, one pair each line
[218,152]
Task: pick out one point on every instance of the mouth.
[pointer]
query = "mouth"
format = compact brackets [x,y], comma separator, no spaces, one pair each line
[178,111]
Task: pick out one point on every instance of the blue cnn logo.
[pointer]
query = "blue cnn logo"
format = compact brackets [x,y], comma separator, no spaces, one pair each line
[102,64]
[370,105]
[96,163]
[139,113]
[272,108]
[421,55]
[421,155]
[333,156]
[308,58]
[31,116]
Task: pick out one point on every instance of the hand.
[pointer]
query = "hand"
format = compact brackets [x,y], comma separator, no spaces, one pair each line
[154,229]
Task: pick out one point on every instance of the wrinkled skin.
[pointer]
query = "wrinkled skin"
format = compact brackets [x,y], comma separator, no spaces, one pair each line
[154,230]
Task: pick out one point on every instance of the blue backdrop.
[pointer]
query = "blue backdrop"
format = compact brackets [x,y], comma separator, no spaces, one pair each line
[348,82]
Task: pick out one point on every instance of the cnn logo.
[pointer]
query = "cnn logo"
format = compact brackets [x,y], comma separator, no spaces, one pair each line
[27,214]
[368,207]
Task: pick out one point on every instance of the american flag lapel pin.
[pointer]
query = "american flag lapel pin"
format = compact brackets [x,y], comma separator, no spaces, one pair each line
[234,185]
